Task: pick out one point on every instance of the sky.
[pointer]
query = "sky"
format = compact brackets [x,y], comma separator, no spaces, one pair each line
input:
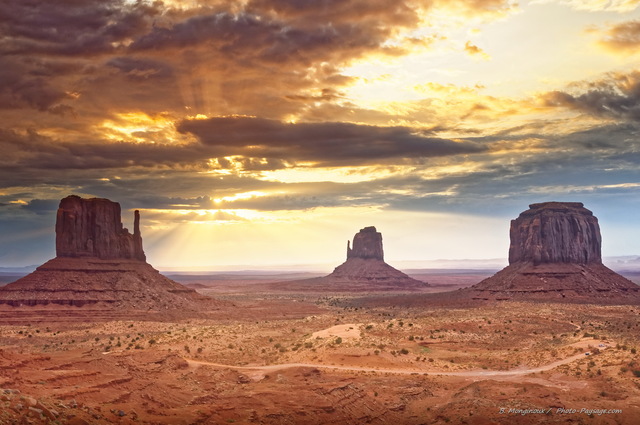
[268,132]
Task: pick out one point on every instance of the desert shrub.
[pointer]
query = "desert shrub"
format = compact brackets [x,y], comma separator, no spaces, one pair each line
[338,340]
[404,351]
[636,373]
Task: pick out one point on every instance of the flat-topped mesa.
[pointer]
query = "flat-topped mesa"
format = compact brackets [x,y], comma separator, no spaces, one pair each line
[367,244]
[93,228]
[555,256]
[555,232]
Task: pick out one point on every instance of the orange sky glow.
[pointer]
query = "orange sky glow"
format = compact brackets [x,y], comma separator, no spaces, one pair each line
[268,132]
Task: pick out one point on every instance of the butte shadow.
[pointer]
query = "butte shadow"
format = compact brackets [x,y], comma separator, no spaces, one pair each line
[100,266]
[365,270]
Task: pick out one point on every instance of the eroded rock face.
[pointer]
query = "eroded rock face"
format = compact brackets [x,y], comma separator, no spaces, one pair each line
[367,244]
[93,228]
[555,232]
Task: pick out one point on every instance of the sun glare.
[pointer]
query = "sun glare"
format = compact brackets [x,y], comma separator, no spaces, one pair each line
[335,175]
[138,127]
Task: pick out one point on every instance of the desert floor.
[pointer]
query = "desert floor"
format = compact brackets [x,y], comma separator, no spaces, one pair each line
[318,358]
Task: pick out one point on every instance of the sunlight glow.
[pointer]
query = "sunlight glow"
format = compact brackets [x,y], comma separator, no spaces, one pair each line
[238,196]
[138,127]
[336,175]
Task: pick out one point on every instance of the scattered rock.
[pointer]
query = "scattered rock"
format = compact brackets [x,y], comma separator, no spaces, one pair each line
[75,420]
[243,379]
[37,412]
[46,412]
[30,401]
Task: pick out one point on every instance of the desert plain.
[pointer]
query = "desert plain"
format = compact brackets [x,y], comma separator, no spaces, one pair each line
[278,356]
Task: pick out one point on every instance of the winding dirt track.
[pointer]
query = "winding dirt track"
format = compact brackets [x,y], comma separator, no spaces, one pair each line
[471,373]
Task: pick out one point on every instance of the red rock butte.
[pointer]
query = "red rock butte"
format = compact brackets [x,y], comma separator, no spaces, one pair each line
[555,255]
[364,270]
[92,228]
[99,264]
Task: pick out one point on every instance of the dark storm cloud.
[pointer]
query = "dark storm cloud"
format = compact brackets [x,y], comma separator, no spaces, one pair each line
[20,88]
[327,143]
[256,36]
[141,68]
[258,144]
[42,42]
[71,27]
[31,150]
[617,96]
[42,206]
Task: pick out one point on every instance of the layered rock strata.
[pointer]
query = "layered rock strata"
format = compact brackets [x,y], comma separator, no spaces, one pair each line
[99,263]
[92,228]
[555,254]
[555,232]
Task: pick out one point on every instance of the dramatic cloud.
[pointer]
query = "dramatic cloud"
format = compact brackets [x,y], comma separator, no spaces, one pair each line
[328,143]
[617,96]
[229,113]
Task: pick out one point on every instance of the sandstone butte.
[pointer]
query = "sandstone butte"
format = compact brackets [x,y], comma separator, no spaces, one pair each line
[99,264]
[555,255]
[364,270]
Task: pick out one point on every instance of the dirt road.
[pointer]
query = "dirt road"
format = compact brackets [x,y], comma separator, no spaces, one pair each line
[470,373]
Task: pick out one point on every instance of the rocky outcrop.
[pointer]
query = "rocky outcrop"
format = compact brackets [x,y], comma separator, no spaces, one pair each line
[100,264]
[92,228]
[555,232]
[364,270]
[367,244]
[555,255]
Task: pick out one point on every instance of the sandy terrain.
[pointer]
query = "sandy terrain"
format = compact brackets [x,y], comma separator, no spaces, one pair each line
[277,358]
